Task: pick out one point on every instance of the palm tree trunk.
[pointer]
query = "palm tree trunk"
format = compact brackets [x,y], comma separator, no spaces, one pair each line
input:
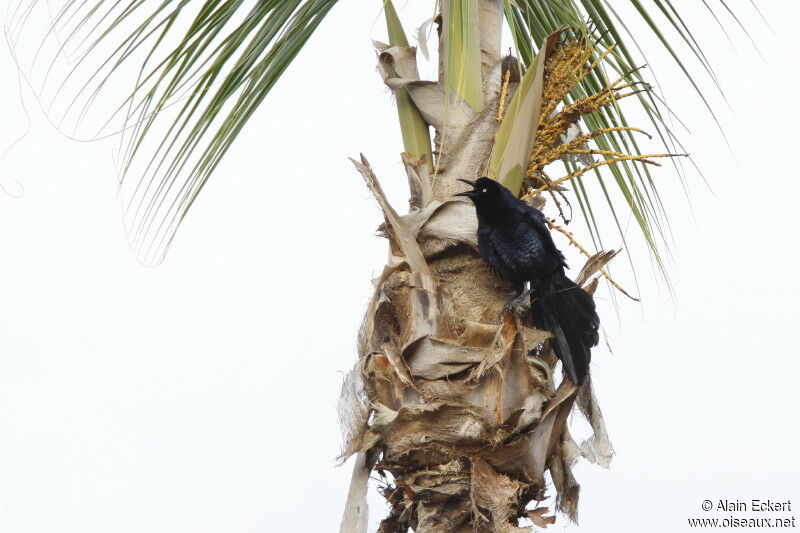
[455,407]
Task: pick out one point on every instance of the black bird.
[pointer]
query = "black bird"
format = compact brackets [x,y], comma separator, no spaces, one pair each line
[513,238]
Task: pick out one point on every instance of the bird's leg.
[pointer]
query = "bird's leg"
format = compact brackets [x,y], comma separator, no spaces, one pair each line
[521,304]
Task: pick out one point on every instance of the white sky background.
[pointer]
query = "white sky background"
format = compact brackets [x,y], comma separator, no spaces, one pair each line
[200,396]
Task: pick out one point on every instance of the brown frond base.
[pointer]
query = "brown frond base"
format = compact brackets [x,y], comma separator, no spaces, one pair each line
[465,494]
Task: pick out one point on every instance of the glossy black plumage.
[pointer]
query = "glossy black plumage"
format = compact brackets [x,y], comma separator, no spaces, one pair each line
[513,238]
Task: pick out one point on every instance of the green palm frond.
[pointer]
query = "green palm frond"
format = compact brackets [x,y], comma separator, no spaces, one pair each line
[463,53]
[414,129]
[532,20]
[199,71]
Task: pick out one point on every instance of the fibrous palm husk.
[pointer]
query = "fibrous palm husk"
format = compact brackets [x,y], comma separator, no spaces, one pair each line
[454,403]
[464,412]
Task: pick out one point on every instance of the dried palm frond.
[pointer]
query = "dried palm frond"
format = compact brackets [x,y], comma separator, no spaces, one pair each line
[457,411]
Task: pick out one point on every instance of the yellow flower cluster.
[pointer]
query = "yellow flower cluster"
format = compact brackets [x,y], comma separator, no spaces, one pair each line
[568,65]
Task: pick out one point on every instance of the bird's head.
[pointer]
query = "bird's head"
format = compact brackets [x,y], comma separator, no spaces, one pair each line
[486,194]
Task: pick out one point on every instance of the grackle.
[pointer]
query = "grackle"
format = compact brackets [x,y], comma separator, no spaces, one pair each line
[513,238]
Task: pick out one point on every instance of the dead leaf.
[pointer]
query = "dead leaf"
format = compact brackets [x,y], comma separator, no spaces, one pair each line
[537,516]
[594,264]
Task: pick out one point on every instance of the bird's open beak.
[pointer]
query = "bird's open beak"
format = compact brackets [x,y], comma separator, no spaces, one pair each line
[468,194]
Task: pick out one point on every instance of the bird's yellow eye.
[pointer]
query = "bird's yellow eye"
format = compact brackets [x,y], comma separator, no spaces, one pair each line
[483,190]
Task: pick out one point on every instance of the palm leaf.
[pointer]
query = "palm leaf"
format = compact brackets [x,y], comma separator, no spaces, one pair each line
[199,71]
[531,20]
[414,129]
[462,51]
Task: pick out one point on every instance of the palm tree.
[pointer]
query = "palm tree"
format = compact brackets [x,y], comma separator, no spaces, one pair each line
[462,413]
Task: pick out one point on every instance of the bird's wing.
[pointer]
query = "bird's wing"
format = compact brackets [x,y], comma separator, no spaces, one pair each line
[535,219]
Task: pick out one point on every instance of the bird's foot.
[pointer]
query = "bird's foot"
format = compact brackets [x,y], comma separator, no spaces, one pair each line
[518,306]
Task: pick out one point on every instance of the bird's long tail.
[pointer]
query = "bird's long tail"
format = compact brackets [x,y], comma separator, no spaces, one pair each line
[568,312]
